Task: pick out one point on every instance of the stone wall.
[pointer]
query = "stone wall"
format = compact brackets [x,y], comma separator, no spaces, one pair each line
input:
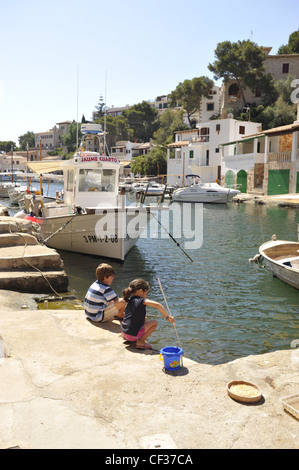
[274,64]
[285,143]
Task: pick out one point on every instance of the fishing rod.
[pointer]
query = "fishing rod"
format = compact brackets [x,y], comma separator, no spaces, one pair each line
[175,241]
[61,228]
[170,313]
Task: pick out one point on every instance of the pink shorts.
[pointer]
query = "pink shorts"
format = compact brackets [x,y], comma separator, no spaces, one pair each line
[139,335]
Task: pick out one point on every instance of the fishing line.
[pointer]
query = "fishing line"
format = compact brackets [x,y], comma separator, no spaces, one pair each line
[261,224]
[223,323]
[175,241]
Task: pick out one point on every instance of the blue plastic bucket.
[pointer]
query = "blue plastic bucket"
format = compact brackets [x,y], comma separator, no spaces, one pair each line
[171,357]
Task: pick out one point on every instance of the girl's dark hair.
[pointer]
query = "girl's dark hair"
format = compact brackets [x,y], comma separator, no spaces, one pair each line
[134,287]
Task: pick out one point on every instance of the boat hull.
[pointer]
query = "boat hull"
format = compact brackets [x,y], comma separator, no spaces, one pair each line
[108,234]
[282,259]
[203,197]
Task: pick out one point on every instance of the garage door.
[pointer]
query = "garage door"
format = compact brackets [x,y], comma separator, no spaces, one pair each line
[278,182]
[242,181]
[230,179]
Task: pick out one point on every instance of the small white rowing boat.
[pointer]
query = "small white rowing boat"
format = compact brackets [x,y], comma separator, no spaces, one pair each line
[282,259]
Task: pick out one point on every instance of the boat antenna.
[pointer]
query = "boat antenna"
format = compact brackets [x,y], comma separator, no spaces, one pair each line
[77,135]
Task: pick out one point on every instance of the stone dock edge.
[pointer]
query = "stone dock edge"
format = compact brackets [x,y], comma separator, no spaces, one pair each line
[69,384]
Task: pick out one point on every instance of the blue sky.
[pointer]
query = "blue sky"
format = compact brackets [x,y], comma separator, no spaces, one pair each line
[126,50]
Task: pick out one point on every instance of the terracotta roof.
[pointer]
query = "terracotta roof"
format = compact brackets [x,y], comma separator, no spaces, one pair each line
[282,129]
[146,145]
[277,130]
[187,130]
[182,143]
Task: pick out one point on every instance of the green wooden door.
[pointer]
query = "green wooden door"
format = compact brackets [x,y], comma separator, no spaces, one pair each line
[242,181]
[297,186]
[278,182]
[230,179]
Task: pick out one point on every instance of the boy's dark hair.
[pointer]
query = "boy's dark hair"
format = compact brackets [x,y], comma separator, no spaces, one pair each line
[104,270]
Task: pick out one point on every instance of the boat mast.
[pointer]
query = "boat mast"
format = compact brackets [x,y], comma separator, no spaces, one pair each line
[40,157]
[11,164]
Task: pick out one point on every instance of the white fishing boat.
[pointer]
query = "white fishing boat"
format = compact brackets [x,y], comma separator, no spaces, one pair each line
[282,259]
[92,219]
[199,191]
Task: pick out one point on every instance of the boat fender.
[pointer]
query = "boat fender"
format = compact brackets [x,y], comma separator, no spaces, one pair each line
[255,259]
[32,218]
[20,215]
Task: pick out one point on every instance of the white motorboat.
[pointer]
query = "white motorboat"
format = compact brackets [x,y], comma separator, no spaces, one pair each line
[92,219]
[151,188]
[29,201]
[126,184]
[282,259]
[204,192]
[17,193]
[6,186]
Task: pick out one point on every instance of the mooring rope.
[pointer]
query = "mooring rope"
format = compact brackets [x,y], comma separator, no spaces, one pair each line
[31,265]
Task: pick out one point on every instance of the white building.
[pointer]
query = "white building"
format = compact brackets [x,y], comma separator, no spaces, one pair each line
[209,107]
[51,139]
[125,150]
[197,151]
[116,111]
[13,162]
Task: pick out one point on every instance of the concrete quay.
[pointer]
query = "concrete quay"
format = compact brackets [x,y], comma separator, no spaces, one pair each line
[283,200]
[69,384]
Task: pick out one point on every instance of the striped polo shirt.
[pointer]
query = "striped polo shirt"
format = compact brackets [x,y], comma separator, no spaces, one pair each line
[96,300]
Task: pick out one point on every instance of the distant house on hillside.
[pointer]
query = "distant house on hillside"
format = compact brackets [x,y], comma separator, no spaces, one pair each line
[279,66]
[51,139]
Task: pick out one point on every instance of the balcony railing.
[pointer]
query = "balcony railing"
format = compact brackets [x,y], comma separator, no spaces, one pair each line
[201,138]
[280,157]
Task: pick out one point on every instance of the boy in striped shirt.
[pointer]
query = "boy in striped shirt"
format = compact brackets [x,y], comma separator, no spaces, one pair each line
[101,302]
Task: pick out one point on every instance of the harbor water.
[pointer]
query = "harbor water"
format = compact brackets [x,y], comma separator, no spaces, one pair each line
[225,307]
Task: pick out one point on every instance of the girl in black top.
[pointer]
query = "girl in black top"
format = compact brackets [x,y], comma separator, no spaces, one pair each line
[134,326]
